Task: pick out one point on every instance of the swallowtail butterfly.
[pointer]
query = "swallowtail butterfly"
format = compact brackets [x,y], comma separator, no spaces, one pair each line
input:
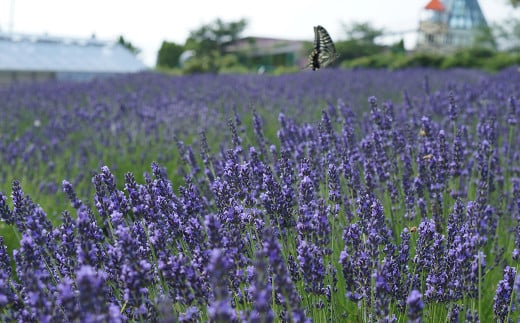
[324,51]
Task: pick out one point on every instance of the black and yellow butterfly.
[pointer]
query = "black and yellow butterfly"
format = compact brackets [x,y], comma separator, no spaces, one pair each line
[324,51]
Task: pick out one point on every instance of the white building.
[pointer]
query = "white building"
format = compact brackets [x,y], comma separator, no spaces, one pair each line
[35,58]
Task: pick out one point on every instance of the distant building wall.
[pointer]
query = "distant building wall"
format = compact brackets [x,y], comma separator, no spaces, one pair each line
[269,52]
[81,76]
[23,76]
[433,37]
[10,77]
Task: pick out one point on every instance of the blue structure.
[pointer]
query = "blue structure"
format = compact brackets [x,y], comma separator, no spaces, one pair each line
[464,14]
[447,25]
[34,58]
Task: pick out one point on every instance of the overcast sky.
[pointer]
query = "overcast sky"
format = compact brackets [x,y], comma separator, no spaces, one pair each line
[147,23]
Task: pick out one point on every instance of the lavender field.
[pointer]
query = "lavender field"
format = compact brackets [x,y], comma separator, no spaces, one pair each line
[348,196]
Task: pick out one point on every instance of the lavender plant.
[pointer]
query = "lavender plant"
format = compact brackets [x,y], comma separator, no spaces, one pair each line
[323,202]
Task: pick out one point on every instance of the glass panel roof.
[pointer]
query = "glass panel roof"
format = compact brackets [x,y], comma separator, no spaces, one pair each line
[53,54]
[465,14]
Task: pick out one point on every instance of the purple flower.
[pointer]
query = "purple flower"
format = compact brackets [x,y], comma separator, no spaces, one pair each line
[276,206]
[502,300]
[259,133]
[219,309]
[21,206]
[261,291]
[382,293]
[66,253]
[71,194]
[327,138]
[415,306]
[458,155]
[313,224]
[8,296]
[109,202]
[511,117]
[375,112]
[355,263]
[186,286]
[89,239]
[136,271]
[515,204]
[307,195]
[191,314]
[334,187]
[437,278]
[453,108]
[407,183]
[312,267]
[424,257]
[93,306]
[453,315]
[5,213]
[235,138]
[35,279]
[472,316]
[284,286]
[67,299]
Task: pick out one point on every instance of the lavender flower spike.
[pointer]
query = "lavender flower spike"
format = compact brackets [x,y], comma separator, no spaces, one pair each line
[502,299]
[415,306]
[220,309]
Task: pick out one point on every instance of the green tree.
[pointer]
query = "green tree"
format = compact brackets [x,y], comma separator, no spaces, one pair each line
[209,43]
[169,54]
[128,45]
[484,38]
[349,49]
[214,36]
[360,41]
[515,3]
[362,32]
[398,48]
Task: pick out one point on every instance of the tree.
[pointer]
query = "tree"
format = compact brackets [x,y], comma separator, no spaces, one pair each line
[398,48]
[128,45]
[169,54]
[484,38]
[214,36]
[515,3]
[362,31]
[209,42]
[360,41]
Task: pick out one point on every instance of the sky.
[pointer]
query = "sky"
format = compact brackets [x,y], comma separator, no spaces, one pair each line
[146,24]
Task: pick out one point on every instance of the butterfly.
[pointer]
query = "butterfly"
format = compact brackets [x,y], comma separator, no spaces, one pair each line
[324,51]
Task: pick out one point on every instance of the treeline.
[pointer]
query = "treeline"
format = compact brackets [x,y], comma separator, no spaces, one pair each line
[475,57]
[205,51]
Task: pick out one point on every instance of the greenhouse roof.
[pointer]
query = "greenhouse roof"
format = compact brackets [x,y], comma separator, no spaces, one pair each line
[52,54]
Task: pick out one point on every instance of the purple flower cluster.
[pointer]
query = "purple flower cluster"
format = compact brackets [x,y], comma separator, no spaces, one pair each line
[379,211]
[503,297]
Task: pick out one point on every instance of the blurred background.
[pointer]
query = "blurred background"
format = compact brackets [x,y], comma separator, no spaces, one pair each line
[79,40]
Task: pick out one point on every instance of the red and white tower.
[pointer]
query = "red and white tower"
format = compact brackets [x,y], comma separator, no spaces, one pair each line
[433,27]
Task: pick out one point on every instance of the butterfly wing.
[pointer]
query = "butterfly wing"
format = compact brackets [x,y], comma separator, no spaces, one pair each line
[317,41]
[327,53]
[314,57]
